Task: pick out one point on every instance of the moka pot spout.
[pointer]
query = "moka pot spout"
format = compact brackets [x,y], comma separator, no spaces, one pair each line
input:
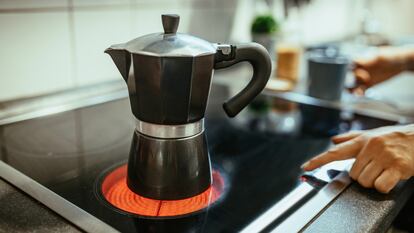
[121,58]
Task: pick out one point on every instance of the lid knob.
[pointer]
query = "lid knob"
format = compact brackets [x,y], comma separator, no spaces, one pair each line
[170,23]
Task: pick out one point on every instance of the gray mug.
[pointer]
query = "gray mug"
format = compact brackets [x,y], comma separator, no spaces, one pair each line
[326,76]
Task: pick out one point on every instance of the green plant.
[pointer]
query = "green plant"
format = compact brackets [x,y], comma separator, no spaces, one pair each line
[264,24]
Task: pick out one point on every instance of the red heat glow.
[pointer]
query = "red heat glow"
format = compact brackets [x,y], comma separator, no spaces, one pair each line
[115,190]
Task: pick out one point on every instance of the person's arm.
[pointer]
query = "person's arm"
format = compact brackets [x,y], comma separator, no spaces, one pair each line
[410,61]
[383,156]
[389,62]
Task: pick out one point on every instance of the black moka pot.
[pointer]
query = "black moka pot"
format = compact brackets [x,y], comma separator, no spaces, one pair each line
[168,89]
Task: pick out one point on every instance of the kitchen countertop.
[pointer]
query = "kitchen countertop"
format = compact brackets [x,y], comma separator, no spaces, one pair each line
[362,210]
[21,213]
[355,210]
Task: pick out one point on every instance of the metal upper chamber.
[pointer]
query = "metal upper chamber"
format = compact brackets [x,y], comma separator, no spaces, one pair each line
[170,43]
[171,73]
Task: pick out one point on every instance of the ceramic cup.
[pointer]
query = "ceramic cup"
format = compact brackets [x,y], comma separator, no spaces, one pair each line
[326,76]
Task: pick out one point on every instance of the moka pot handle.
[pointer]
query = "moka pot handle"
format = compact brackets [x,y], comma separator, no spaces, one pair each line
[258,57]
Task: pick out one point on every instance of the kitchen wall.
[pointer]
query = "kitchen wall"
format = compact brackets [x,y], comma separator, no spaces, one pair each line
[52,45]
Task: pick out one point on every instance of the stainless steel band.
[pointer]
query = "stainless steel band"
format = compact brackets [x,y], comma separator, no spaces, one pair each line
[170,131]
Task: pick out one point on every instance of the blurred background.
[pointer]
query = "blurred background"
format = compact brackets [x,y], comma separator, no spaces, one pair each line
[47,46]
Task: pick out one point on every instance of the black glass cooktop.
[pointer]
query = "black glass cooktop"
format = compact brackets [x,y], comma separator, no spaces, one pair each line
[258,153]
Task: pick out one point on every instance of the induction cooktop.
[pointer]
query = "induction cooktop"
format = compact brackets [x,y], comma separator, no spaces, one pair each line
[257,181]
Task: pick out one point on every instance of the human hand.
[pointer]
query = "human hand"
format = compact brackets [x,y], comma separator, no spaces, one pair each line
[389,62]
[383,156]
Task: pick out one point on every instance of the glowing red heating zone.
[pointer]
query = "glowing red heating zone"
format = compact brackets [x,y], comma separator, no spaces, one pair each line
[116,192]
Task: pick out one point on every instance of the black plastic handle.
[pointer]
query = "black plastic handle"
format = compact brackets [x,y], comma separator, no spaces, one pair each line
[259,58]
